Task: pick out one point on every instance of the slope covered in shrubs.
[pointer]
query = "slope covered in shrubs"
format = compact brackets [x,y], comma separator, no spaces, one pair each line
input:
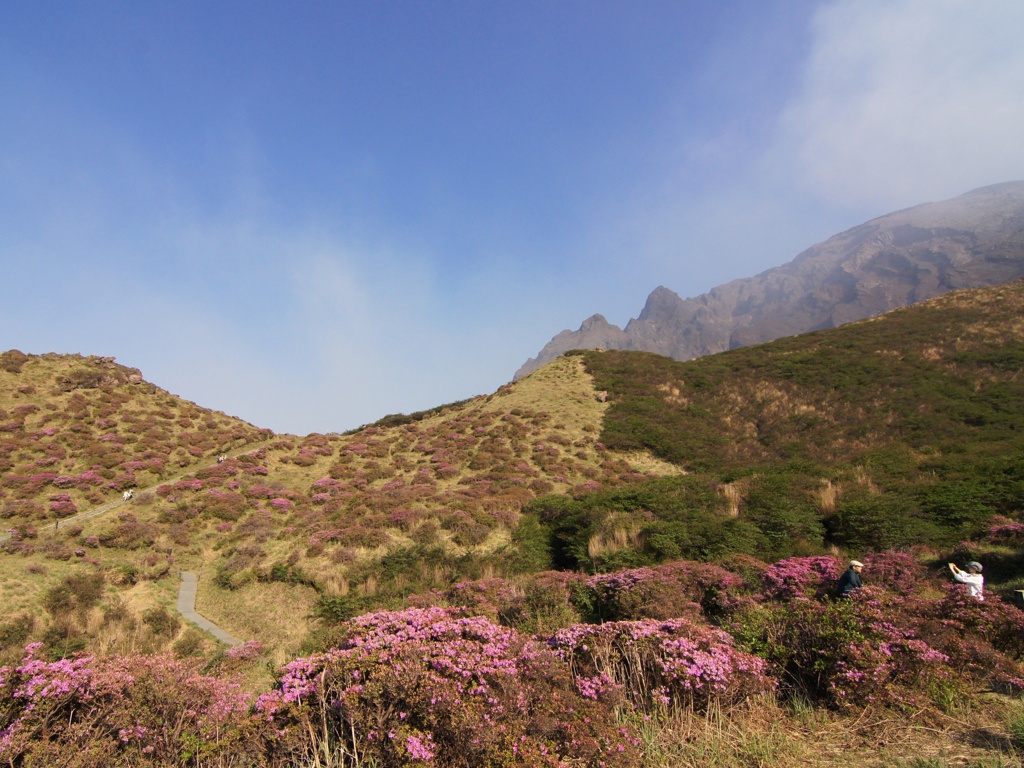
[618,560]
[77,431]
[354,521]
[908,428]
[461,680]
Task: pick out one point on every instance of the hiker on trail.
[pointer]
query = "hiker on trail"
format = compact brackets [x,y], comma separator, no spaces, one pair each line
[972,578]
[128,495]
[850,580]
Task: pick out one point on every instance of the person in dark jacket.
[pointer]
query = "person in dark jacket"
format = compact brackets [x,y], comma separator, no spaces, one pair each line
[850,580]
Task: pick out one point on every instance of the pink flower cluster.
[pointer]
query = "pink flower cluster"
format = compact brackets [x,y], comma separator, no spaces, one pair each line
[139,710]
[801,577]
[660,662]
[1005,531]
[667,591]
[428,684]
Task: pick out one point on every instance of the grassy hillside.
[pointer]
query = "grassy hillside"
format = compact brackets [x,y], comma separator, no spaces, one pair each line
[906,429]
[618,560]
[347,521]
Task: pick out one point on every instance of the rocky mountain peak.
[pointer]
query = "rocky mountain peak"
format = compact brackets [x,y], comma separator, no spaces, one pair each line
[970,241]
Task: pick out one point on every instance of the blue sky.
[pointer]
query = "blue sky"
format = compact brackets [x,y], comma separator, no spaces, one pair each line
[311,215]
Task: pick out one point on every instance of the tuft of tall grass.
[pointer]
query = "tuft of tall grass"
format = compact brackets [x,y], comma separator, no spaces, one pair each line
[750,735]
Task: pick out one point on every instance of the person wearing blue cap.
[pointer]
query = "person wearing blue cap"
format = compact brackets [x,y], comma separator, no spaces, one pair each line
[972,578]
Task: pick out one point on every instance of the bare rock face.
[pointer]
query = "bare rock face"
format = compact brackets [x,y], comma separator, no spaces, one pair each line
[971,241]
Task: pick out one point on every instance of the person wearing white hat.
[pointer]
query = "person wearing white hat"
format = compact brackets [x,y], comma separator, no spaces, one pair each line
[972,578]
[850,580]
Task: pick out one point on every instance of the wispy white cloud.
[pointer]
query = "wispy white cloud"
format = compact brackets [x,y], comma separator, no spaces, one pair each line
[904,101]
[385,334]
[897,102]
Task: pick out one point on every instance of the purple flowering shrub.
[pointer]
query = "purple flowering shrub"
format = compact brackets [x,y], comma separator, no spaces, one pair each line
[667,591]
[434,685]
[844,652]
[62,505]
[801,577]
[1005,532]
[654,663]
[995,621]
[897,571]
[984,640]
[134,710]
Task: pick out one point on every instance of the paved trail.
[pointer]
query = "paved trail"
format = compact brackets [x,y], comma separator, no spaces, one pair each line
[187,608]
[189,581]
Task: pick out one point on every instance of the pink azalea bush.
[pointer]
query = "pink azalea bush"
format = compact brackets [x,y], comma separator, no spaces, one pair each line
[847,652]
[656,663]
[801,577]
[1006,532]
[431,684]
[136,710]
[62,505]
[666,591]
[984,640]
[897,571]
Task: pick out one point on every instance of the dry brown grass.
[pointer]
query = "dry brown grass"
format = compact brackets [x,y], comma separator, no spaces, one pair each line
[24,581]
[274,614]
[828,494]
[768,734]
[613,539]
[733,493]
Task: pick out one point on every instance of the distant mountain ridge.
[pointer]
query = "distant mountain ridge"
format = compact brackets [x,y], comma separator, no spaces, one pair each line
[971,241]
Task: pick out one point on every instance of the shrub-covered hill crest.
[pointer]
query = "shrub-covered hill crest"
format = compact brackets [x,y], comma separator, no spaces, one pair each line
[904,429]
[938,378]
[77,431]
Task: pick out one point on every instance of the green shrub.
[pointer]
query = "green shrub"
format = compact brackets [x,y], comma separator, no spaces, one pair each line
[74,595]
[864,522]
[161,622]
[530,549]
[191,643]
[16,630]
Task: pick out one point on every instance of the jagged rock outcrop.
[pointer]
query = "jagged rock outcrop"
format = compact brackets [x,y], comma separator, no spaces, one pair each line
[970,241]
